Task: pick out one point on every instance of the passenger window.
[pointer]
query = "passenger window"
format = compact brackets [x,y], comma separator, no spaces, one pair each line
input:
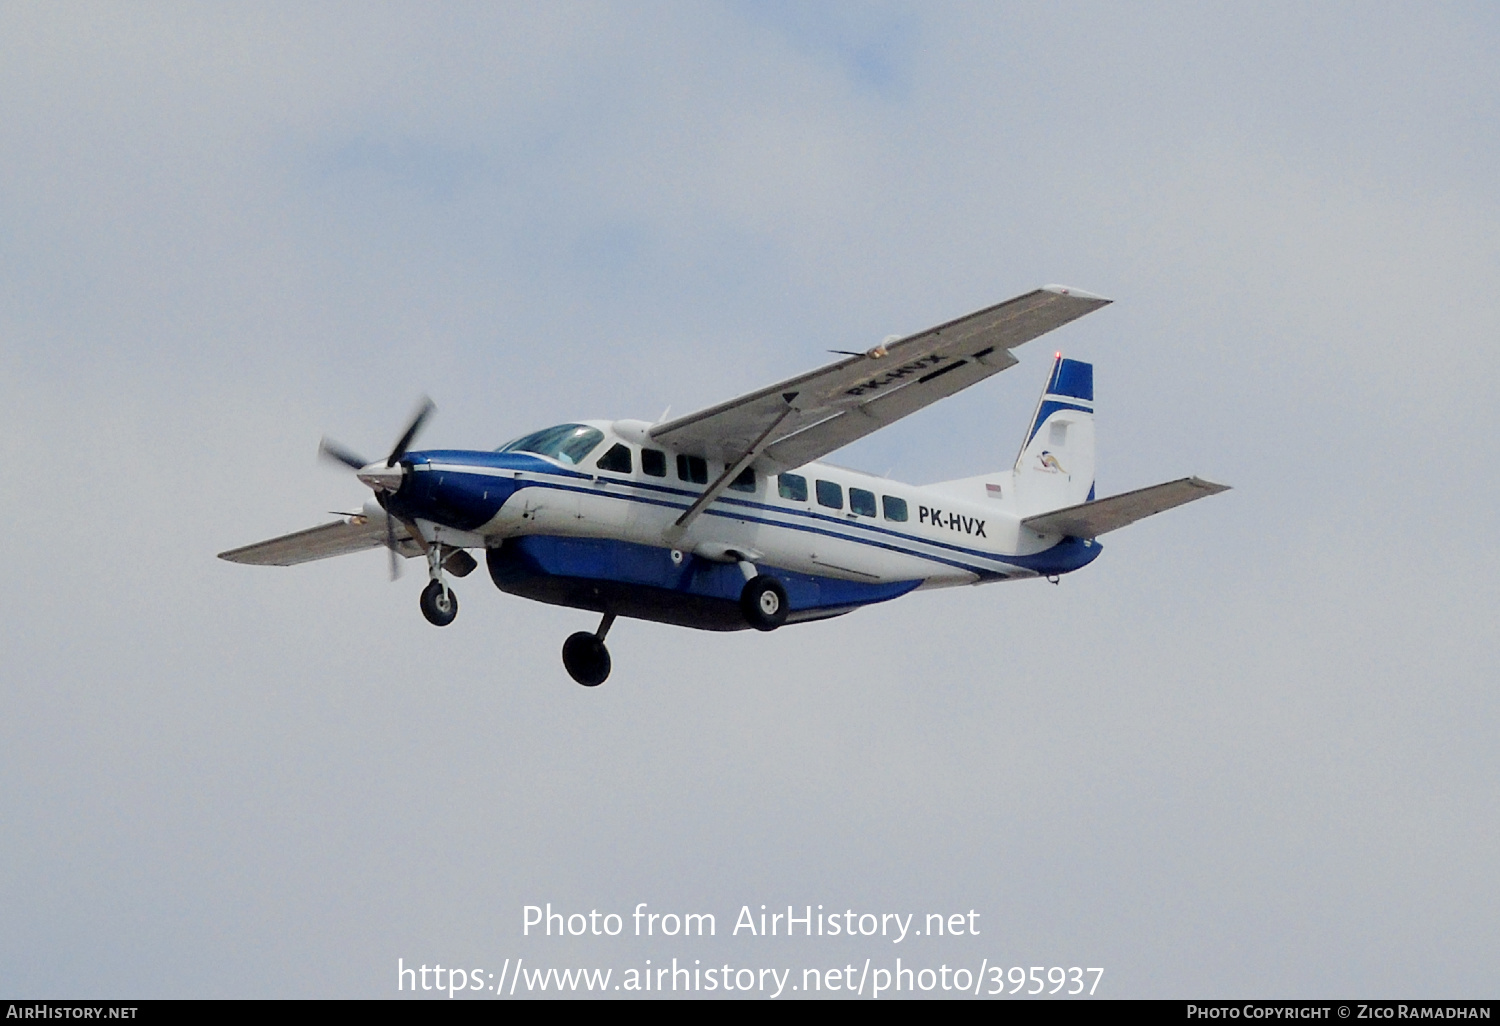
[654,462]
[895,509]
[830,495]
[745,482]
[692,468]
[862,502]
[617,460]
[792,486]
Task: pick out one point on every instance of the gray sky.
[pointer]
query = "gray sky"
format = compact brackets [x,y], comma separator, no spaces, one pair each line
[1250,751]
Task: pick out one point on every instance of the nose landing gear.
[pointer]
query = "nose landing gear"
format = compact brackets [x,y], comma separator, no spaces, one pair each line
[439,604]
[585,657]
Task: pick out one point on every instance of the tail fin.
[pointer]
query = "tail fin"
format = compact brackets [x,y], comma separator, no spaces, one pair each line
[1056,465]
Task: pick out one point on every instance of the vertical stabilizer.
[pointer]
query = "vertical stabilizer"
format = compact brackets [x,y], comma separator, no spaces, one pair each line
[1056,465]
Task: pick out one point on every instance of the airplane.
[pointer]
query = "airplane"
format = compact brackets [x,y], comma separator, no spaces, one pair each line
[726,519]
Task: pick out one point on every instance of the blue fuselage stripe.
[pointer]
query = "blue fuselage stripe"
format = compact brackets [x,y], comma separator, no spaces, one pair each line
[711,512]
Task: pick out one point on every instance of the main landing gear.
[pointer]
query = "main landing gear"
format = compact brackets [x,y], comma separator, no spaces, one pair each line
[586,658]
[763,601]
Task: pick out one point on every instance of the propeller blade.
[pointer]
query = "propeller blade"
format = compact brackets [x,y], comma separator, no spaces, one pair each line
[390,545]
[331,450]
[411,431]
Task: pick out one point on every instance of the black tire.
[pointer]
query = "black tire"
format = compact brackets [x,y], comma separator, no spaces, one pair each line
[440,606]
[586,659]
[764,603]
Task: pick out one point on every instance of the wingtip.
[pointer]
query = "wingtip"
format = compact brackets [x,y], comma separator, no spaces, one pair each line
[1210,487]
[1068,290]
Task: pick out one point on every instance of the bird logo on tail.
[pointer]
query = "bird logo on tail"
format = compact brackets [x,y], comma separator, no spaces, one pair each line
[1049,463]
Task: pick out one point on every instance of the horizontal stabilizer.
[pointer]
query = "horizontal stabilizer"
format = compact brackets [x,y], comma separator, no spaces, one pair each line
[333,539]
[1091,519]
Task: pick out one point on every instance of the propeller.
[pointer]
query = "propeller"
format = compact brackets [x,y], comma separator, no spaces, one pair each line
[332,450]
[424,410]
[382,476]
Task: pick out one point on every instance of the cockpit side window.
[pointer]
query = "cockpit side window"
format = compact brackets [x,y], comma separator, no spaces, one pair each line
[654,462]
[617,460]
[566,443]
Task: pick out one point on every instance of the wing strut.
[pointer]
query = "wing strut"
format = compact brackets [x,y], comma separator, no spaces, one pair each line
[731,471]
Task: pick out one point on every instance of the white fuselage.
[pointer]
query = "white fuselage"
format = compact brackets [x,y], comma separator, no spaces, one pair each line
[958,532]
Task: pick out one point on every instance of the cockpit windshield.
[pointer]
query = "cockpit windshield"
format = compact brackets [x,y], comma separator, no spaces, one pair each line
[566,443]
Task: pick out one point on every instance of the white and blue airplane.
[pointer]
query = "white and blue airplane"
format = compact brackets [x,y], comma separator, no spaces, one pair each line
[725,519]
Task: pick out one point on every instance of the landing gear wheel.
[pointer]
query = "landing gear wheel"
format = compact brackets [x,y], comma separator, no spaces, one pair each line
[586,659]
[439,604]
[764,603]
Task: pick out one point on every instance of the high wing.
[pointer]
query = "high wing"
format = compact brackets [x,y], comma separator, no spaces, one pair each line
[803,418]
[1091,519]
[335,539]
